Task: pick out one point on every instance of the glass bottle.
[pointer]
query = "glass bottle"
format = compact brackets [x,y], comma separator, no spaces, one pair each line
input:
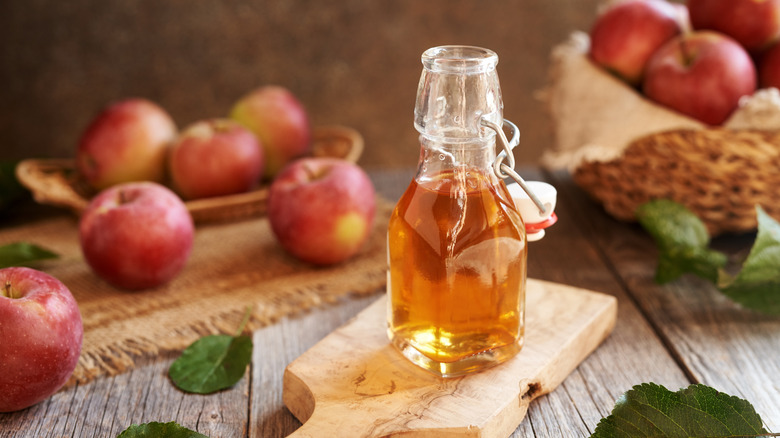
[456,243]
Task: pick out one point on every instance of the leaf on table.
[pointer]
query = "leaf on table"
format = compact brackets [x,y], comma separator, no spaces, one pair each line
[159,430]
[22,253]
[682,240]
[213,363]
[696,411]
[757,286]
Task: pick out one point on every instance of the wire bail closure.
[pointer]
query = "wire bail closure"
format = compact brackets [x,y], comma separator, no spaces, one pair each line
[507,170]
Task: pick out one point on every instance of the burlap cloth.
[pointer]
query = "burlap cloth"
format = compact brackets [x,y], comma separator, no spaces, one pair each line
[233,266]
[596,117]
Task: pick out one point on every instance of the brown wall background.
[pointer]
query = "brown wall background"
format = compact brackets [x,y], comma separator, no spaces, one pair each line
[351,62]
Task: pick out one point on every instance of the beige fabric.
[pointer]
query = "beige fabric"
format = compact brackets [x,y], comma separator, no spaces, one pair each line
[233,266]
[596,116]
[625,150]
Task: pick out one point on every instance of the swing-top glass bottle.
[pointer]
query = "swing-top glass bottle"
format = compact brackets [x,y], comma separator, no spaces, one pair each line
[456,243]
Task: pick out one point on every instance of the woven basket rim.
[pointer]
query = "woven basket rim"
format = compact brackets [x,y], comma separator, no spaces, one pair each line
[721,175]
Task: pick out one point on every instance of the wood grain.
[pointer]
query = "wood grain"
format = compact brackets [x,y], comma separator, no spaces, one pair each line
[356,384]
[719,344]
[569,255]
[278,345]
[680,333]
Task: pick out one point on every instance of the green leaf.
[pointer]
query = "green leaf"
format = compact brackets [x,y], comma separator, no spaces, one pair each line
[682,241]
[757,286]
[22,253]
[159,430]
[650,410]
[213,363]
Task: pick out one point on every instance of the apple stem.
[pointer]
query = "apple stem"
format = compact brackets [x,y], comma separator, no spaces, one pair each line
[312,174]
[8,290]
[122,197]
[686,53]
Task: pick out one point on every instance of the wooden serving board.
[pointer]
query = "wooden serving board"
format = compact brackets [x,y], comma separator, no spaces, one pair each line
[354,383]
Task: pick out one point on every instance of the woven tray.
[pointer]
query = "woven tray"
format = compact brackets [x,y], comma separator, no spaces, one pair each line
[624,150]
[56,181]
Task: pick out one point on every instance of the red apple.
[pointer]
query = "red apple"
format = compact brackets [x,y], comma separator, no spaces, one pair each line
[40,337]
[127,141]
[322,209]
[702,74]
[755,24]
[136,235]
[214,158]
[280,122]
[769,67]
[625,35]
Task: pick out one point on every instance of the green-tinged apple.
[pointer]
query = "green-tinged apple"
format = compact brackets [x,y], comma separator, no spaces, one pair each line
[279,121]
[40,337]
[755,24]
[625,35]
[702,74]
[321,210]
[127,141]
[769,68]
[136,235]
[213,158]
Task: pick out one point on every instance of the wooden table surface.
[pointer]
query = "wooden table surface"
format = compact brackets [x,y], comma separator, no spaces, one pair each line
[673,335]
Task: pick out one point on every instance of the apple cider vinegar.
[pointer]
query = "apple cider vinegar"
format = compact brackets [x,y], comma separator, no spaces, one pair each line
[457,261]
[456,242]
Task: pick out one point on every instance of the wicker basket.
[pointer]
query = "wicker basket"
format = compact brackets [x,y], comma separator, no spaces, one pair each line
[623,150]
[56,181]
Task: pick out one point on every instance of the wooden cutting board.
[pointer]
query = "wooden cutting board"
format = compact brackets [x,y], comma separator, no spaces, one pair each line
[353,383]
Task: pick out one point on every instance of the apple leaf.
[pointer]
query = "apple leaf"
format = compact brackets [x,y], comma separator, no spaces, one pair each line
[757,286]
[682,241]
[696,411]
[213,363]
[159,430]
[22,253]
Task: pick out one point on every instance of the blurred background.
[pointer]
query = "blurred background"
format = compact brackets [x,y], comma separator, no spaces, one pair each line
[350,62]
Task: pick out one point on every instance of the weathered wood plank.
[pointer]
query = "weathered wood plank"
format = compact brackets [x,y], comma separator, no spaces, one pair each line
[633,354]
[109,405]
[721,345]
[287,340]
[568,255]
[618,364]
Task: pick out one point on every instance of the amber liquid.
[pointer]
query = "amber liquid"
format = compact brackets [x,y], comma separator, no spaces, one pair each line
[457,257]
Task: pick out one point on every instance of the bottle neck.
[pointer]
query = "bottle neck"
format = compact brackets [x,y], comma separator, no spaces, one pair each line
[458,89]
[438,154]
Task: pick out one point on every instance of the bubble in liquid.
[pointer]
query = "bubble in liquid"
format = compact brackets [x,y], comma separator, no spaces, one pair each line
[441,157]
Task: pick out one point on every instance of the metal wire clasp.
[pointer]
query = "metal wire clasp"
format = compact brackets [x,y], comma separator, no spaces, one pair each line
[507,170]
